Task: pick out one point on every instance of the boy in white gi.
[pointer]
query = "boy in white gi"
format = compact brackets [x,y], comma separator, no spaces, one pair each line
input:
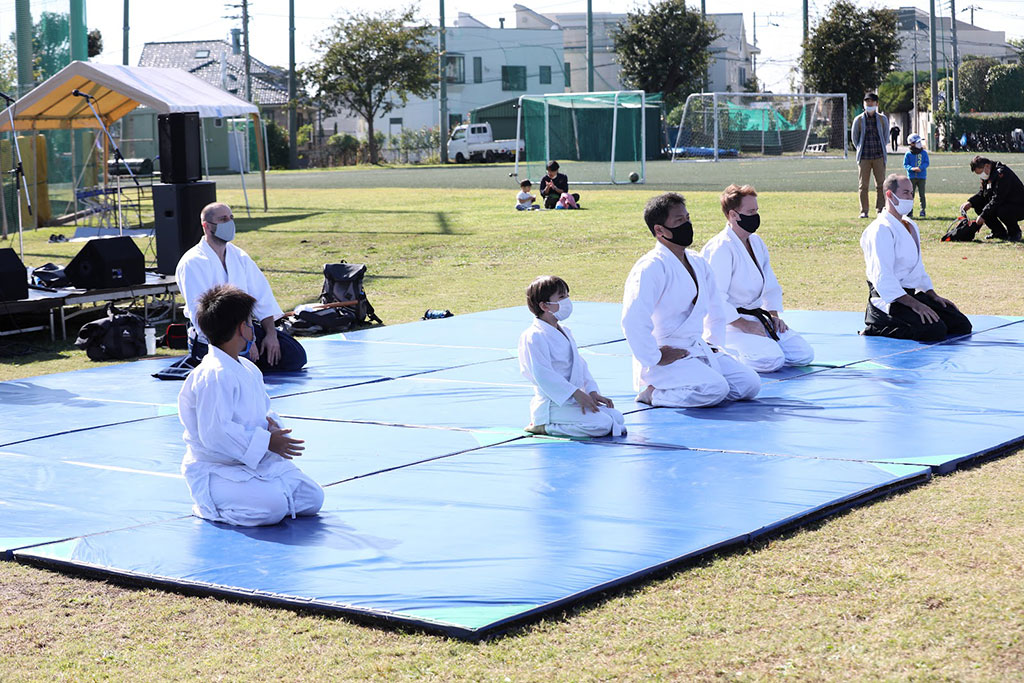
[238,459]
[566,401]
[902,302]
[670,299]
[756,335]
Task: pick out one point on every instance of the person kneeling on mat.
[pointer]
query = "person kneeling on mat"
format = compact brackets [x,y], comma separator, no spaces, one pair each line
[566,400]
[238,459]
[902,302]
[214,261]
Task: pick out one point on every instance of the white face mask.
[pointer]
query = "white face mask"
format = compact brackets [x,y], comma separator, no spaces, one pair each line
[984,176]
[869,109]
[225,231]
[564,309]
[902,206]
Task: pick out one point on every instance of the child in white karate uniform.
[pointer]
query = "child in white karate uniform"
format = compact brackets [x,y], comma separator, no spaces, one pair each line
[566,401]
[238,459]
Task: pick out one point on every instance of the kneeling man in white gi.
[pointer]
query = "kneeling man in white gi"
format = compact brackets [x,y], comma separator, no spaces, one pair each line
[238,459]
[670,301]
[757,335]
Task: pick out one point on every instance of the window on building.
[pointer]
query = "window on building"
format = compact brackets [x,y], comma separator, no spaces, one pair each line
[513,78]
[478,69]
[202,54]
[568,75]
[455,68]
[545,75]
[743,76]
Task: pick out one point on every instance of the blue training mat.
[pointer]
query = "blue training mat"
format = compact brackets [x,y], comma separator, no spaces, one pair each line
[442,513]
[469,544]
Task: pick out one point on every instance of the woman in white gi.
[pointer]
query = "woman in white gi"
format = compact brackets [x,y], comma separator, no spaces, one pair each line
[566,400]
[238,459]
[670,306]
[756,334]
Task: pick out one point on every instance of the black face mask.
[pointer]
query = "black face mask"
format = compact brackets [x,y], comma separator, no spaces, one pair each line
[682,234]
[749,223]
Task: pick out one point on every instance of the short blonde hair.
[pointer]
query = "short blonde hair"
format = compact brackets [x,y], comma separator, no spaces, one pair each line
[733,195]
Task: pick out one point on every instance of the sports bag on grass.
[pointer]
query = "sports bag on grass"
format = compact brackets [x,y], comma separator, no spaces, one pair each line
[118,336]
[343,284]
[962,230]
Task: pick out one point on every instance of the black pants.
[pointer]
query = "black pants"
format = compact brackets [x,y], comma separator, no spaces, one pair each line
[901,322]
[293,356]
[1005,223]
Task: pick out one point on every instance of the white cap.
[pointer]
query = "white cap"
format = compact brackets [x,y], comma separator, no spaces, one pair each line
[914,138]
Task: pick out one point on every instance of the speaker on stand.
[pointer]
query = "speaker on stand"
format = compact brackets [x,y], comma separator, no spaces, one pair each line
[13,276]
[107,264]
[180,147]
[176,210]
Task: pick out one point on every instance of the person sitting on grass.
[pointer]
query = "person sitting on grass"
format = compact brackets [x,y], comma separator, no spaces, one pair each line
[238,459]
[566,401]
[554,185]
[902,302]
[525,200]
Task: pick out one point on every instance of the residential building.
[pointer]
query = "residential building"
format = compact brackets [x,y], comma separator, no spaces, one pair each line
[732,57]
[970,39]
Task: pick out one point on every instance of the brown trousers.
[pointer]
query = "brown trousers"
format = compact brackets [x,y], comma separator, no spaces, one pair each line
[869,167]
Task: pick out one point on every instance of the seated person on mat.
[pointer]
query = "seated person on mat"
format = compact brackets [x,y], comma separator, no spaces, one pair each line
[237,457]
[214,261]
[670,299]
[902,302]
[566,401]
[1000,201]
[756,335]
[554,185]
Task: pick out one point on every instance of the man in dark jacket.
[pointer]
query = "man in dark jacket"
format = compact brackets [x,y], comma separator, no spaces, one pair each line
[1000,201]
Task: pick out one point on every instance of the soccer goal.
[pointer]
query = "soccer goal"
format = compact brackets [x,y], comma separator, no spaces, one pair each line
[724,125]
[599,138]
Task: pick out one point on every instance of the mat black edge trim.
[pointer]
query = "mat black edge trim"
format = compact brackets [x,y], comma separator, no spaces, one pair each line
[202,589]
[86,429]
[981,457]
[10,553]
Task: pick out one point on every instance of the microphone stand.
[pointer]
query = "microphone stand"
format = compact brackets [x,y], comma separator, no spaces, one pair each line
[19,175]
[118,159]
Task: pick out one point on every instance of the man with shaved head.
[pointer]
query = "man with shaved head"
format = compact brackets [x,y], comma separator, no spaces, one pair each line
[215,260]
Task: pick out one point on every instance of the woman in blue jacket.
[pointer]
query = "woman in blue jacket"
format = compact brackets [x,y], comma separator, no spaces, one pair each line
[916,163]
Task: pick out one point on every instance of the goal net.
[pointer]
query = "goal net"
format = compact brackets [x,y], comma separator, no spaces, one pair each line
[597,138]
[726,125]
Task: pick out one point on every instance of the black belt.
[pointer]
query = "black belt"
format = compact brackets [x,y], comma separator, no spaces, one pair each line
[764,317]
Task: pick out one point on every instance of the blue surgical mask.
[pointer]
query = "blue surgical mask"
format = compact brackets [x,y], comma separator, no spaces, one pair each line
[250,342]
[225,231]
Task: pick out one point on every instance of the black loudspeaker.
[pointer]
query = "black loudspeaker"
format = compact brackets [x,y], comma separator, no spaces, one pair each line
[176,210]
[107,264]
[180,147]
[13,277]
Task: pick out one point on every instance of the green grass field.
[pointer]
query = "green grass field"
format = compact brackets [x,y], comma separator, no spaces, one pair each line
[922,585]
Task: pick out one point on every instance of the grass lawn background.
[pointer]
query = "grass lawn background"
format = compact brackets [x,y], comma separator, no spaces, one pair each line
[925,584]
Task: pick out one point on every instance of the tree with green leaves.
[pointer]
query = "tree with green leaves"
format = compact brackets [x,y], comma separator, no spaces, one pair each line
[664,48]
[370,64]
[850,51]
[974,82]
[51,44]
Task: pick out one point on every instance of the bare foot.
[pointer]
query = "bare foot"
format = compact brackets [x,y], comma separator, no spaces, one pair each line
[536,429]
[645,395]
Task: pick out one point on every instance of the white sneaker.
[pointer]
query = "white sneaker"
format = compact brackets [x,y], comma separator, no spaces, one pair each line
[863,214]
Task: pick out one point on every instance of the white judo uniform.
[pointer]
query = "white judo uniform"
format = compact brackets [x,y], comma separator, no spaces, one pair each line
[551,361]
[200,269]
[892,259]
[662,306]
[751,283]
[232,476]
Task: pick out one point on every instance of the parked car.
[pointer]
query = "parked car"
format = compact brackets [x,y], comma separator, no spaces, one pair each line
[475,142]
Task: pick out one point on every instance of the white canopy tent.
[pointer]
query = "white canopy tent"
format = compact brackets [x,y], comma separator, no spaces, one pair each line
[117,91]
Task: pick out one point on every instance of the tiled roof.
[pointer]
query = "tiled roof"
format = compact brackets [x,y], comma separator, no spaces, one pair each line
[202,58]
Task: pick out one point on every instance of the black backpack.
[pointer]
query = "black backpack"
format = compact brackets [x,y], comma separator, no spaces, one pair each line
[347,305]
[119,336]
[961,230]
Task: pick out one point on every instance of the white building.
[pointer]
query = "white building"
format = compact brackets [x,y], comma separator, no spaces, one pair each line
[971,40]
[732,57]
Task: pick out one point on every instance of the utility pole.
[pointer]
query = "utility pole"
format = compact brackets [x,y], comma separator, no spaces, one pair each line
[124,46]
[956,58]
[590,46]
[79,34]
[914,82]
[806,25]
[443,78]
[293,118]
[245,47]
[934,83]
[971,8]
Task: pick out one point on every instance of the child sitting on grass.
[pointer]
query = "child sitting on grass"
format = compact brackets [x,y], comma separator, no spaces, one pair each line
[566,401]
[525,200]
[238,459]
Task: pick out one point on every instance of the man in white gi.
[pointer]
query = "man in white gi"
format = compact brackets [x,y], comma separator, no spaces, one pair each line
[238,459]
[566,400]
[214,261]
[756,335]
[902,302]
[670,300]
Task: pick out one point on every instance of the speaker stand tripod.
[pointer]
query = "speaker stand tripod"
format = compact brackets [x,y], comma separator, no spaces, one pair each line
[19,176]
